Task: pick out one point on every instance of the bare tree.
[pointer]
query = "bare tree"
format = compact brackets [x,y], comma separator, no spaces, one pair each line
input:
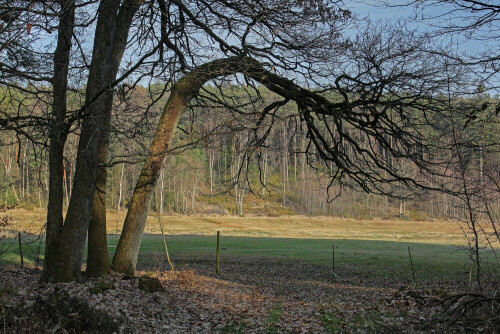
[370,108]
[374,103]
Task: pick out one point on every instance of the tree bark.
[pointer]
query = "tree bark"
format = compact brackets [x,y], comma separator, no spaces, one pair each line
[211,158]
[98,263]
[98,102]
[121,187]
[182,92]
[161,190]
[109,44]
[116,21]
[56,264]
[125,258]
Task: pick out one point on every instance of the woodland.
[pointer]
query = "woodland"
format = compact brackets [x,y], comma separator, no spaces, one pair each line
[247,108]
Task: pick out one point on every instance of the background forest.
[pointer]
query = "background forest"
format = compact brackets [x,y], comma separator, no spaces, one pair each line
[212,170]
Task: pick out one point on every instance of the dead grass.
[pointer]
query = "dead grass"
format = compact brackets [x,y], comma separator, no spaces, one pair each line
[441,232]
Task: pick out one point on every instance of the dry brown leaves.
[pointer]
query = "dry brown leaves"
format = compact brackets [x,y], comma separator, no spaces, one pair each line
[250,296]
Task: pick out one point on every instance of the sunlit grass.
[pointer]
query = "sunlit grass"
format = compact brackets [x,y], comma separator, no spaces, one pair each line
[363,248]
[439,232]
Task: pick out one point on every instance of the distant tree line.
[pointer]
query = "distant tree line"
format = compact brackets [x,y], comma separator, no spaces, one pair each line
[209,164]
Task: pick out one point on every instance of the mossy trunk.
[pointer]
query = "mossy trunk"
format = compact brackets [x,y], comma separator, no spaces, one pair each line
[113,24]
[55,266]
[98,263]
[127,250]
[98,100]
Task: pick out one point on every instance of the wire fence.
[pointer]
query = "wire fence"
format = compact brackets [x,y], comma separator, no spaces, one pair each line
[402,257]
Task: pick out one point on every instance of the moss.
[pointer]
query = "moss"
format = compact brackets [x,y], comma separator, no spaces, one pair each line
[150,284]
[57,312]
[102,287]
[7,291]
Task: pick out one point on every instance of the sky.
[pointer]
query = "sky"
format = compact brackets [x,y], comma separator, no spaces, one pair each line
[362,8]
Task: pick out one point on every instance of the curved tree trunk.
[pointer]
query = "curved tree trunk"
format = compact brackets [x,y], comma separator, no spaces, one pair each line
[125,258]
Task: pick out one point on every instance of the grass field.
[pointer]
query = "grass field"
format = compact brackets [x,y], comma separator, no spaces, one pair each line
[361,258]
[439,232]
[366,249]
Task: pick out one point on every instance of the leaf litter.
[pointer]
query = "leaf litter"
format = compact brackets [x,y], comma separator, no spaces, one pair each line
[251,295]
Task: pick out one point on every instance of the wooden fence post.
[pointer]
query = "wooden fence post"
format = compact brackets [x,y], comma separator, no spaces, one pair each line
[333,257]
[333,262]
[20,249]
[218,253]
[411,263]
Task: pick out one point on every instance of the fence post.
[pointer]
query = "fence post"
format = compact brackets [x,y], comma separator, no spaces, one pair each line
[411,263]
[20,249]
[333,258]
[333,262]
[218,253]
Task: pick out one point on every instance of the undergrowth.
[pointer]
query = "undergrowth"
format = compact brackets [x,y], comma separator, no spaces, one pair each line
[58,312]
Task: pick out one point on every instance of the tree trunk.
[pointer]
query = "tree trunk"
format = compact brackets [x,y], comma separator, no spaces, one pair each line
[109,44]
[98,101]
[265,173]
[193,194]
[56,264]
[162,186]
[182,92]
[98,263]
[125,258]
[211,159]
[121,187]
[285,165]
[98,253]
[65,181]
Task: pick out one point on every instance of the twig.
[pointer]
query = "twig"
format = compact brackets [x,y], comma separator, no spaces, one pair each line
[165,243]
[163,235]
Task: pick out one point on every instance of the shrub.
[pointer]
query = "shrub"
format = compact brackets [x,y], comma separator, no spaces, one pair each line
[150,284]
[58,312]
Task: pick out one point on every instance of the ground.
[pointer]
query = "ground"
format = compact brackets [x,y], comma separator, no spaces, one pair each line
[276,277]
[251,295]
[433,231]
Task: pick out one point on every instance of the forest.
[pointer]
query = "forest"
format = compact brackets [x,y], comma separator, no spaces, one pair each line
[251,110]
[211,166]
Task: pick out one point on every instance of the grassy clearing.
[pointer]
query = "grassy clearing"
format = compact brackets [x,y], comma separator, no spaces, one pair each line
[364,259]
[363,248]
[367,259]
[438,232]
[276,272]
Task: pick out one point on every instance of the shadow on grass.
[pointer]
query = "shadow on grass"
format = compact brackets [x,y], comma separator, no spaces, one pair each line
[275,258]
[354,259]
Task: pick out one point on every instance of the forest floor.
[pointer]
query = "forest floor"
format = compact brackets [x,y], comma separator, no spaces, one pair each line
[275,277]
[251,295]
